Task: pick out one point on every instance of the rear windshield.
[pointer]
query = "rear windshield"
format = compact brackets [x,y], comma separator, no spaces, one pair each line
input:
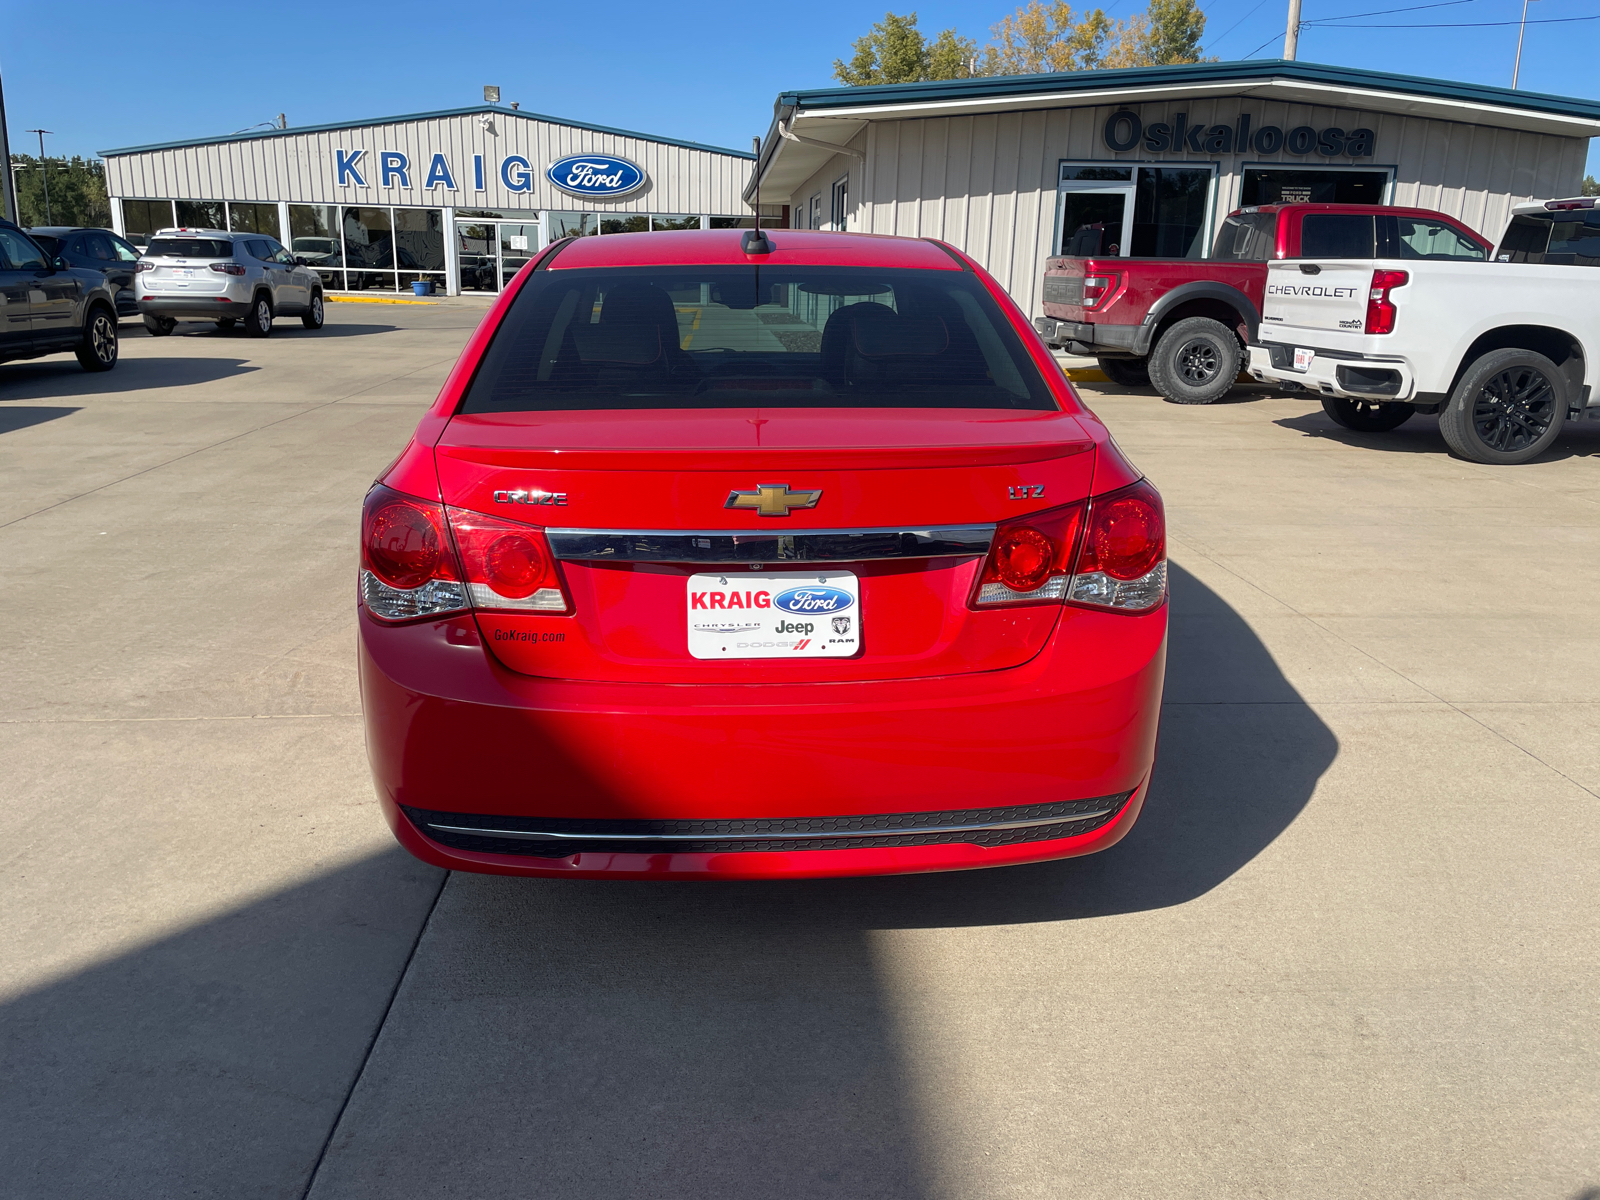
[1562,239]
[169,247]
[50,245]
[727,337]
[1337,235]
[1247,237]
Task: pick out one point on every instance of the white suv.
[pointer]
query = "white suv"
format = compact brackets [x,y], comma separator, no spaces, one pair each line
[223,277]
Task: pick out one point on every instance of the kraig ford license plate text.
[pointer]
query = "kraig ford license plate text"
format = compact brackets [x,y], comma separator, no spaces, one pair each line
[816,614]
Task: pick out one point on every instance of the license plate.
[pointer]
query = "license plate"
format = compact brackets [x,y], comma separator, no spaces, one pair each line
[788,614]
[1302,358]
[183,272]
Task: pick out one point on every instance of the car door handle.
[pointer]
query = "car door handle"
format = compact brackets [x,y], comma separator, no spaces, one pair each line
[1310,269]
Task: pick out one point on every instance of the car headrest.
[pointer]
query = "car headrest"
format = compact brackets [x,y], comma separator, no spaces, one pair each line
[882,333]
[634,345]
[639,304]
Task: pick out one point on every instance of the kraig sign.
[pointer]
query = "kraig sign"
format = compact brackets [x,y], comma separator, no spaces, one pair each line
[1125,131]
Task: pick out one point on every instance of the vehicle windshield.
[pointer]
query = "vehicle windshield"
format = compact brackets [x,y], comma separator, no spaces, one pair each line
[736,336]
[171,247]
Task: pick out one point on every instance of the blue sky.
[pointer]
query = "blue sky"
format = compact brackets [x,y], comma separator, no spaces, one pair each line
[706,72]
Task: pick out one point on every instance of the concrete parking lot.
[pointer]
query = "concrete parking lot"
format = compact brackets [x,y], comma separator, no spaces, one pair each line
[1349,950]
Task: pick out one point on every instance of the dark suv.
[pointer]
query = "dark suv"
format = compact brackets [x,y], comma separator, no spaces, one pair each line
[95,250]
[46,306]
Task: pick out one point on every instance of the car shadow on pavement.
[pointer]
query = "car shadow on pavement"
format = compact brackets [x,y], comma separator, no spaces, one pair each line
[21,416]
[1420,435]
[579,1039]
[44,378]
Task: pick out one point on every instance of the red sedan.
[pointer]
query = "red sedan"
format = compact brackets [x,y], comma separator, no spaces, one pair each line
[724,555]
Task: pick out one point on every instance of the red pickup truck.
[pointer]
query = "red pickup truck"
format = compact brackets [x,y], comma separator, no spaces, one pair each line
[1181,324]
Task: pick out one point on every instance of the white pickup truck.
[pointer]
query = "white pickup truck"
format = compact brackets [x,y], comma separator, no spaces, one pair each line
[1504,352]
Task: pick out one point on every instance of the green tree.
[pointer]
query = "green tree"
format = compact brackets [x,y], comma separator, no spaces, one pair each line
[1590,186]
[77,191]
[1173,33]
[895,51]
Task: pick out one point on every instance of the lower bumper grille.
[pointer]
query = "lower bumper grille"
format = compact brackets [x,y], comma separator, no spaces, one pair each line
[551,837]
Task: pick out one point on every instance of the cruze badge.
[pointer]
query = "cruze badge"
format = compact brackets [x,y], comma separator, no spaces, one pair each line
[535,496]
[773,499]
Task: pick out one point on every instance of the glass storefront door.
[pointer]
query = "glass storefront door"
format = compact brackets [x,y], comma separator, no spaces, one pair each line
[518,244]
[1092,223]
[478,246]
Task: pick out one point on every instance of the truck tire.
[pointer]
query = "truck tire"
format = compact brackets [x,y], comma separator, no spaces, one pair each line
[1367,416]
[98,350]
[258,321]
[159,326]
[1126,372]
[1195,362]
[1508,407]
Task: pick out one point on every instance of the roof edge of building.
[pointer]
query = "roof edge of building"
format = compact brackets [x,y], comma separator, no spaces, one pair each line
[471,110]
[1219,72]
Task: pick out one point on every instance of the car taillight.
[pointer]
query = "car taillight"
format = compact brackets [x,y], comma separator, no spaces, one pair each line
[507,565]
[1030,559]
[1107,552]
[1097,287]
[144,266]
[228,268]
[1380,309]
[408,567]
[1123,562]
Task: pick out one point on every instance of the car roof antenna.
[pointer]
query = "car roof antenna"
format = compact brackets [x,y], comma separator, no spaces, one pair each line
[754,241]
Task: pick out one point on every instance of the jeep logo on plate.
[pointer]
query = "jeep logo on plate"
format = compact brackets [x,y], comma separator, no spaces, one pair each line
[595,175]
[813,599]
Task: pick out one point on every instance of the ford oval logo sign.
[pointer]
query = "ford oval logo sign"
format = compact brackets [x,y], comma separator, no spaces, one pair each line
[595,175]
[813,600]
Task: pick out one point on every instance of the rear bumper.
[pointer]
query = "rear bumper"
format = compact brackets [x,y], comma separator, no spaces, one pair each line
[1081,337]
[193,306]
[1334,372]
[451,731]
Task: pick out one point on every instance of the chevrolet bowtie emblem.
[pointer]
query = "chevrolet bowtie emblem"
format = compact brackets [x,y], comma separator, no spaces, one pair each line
[773,499]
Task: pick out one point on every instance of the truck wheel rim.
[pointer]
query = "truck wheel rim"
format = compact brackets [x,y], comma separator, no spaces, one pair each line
[1198,362]
[103,339]
[1513,409]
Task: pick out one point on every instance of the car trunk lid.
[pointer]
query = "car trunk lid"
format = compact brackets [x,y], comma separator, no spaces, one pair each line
[637,508]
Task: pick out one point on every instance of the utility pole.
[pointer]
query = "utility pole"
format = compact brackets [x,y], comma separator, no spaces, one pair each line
[9,185]
[1522,27]
[1291,35]
[44,171]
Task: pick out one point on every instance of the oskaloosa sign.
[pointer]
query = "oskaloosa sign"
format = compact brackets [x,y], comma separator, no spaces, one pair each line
[592,175]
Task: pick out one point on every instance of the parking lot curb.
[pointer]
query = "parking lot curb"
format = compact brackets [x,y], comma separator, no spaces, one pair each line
[336,299]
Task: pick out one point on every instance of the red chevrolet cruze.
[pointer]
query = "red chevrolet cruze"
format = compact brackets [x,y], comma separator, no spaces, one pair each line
[725,555]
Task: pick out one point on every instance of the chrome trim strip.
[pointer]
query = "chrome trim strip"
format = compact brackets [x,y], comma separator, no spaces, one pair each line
[910,831]
[764,546]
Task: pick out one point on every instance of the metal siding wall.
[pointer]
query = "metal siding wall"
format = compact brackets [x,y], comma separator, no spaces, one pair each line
[301,168]
[986,182]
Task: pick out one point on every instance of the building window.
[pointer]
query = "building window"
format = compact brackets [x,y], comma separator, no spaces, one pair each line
[254,218]
[1328,185]
[141,218]
[572,224]
[419,245]
[314,236]
[816,212]
[619,224]
[1109,209]
[662,222]
[202,214]
[369,248]
[841,204]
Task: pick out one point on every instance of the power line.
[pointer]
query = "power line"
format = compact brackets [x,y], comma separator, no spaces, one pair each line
[1460,24]
[1259,3]
[1383,12]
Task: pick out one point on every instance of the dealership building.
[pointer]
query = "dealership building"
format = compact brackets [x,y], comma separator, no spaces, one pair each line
[1012,169]
[461,198]
[1146,161]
